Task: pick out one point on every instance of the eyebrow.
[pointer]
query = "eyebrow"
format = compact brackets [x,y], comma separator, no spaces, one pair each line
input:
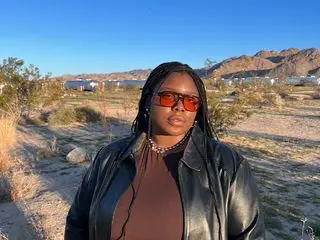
[174,90]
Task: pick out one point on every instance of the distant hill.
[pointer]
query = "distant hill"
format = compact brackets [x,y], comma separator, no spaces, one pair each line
[241,66]
[303,62]
[288,62]
[284,63]
[139,74]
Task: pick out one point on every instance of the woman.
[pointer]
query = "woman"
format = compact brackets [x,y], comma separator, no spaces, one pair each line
[170,179]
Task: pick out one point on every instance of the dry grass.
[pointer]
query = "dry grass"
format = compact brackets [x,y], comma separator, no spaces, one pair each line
[7,132]
[8,140]
[18,184]
[24,183]
[50,150]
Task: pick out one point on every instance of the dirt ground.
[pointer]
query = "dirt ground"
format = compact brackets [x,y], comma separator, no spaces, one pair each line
[283,148]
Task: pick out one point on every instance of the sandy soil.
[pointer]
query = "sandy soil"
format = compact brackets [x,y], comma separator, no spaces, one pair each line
[282,147]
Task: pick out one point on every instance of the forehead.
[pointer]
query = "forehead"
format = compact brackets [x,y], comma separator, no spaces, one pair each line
[180,83]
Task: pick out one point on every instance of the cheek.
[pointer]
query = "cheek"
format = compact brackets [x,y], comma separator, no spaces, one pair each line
[159,114]
[191,116]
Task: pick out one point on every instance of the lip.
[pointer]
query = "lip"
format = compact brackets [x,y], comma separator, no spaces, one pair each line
[176,121]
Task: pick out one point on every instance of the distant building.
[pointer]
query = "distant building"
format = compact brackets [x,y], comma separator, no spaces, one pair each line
[304,80]
[81,85]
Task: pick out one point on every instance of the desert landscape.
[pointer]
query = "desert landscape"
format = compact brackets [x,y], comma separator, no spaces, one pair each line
[282,146]
[71,77]
[49,135]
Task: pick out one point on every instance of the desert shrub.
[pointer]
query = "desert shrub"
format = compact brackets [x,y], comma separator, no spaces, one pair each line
[51,91]
[282,89]
[69,115]
[24,87]
[50,149]
[63,116]
[223,116]
[316,94]
[259,94]
[88,115]
[132,88]
[273,99]
[248,96]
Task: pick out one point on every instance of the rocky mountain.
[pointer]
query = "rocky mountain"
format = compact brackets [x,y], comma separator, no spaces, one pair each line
[288,62]
[284,63]
[240,66]
[267,54]
[303,62]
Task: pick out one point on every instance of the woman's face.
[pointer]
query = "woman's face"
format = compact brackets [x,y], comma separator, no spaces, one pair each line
[175,120]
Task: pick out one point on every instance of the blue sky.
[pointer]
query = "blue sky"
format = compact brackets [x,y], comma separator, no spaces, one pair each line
[78,36]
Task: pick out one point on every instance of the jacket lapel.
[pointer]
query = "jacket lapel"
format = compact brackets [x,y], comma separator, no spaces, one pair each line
[194,154]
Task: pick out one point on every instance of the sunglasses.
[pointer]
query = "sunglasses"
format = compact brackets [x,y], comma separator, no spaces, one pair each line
[170,99]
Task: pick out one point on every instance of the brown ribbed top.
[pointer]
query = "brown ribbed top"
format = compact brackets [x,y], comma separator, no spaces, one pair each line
[156,208]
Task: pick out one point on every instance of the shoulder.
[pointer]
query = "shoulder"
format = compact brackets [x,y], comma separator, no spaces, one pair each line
[226,157]
[112,150]
[116,146]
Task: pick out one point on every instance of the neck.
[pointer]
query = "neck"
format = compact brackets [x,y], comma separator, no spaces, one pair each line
[165,141]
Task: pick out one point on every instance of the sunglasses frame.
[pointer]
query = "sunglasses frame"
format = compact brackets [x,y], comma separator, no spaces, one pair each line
[177,98]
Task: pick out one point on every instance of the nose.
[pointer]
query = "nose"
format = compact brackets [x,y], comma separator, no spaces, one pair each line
[179,106]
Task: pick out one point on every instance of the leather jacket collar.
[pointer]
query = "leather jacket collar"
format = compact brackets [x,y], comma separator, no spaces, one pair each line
[194,151]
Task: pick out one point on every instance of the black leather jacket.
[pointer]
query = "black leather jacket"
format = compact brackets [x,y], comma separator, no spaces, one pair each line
[220,199]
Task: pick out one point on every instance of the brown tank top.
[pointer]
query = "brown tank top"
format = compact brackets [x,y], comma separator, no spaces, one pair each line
[151,207]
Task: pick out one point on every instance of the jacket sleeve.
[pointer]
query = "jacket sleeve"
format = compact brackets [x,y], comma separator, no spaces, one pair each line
[245,220]
[77,219]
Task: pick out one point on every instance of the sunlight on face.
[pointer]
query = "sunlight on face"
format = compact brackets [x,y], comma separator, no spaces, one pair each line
[175,120]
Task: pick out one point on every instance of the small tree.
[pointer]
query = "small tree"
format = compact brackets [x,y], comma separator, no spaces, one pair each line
[208,64]
[24,87]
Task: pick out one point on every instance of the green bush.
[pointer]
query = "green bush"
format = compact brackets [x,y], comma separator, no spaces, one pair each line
[88,115]
[316,94]
[25,89]
[223,116]
[273,99]
[63,116]
[248,95]
[69,115]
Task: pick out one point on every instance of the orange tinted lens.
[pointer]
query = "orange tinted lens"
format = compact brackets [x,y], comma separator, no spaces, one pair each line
[167,99]
[191,103]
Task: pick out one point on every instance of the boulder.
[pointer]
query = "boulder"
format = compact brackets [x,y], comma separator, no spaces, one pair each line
[78,155]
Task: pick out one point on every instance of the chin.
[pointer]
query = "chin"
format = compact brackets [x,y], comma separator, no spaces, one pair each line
[175,131]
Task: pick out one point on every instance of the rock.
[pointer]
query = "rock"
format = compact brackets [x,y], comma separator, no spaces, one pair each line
[299,97]
[64,149]
[78,155]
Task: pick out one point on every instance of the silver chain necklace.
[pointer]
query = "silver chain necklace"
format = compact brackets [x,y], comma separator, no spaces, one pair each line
[160,150]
